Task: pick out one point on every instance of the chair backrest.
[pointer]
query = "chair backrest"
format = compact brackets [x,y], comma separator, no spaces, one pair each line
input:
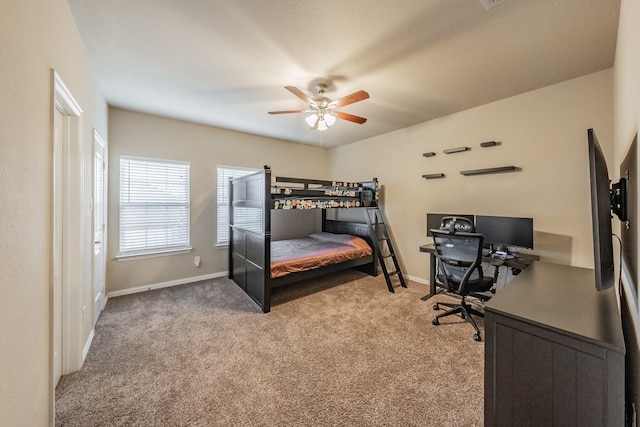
[457,224]
[459,258]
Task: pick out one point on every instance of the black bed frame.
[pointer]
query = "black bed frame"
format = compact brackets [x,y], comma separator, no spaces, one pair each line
[250,243]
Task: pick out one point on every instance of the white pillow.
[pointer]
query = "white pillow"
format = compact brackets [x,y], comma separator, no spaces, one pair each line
[343,239]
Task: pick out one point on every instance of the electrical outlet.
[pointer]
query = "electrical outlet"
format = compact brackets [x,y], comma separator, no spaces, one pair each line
[196,261]
[488,4]
[84,313]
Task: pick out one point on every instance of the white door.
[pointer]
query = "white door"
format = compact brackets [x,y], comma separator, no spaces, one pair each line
[99,228]
[58,120]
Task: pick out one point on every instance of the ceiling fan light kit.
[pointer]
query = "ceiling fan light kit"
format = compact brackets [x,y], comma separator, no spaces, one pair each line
[324,110]
[321,121]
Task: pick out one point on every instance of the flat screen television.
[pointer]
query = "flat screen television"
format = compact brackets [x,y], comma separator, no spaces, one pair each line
[605,198]
[500,232]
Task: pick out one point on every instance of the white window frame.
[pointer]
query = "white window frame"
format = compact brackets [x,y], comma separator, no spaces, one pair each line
[177,197]
[223,173]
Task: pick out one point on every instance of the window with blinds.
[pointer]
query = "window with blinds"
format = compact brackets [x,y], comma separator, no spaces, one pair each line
[154,206]
[250,216]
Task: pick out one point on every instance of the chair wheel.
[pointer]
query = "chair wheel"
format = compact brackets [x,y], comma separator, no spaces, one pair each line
[463,316]
[436,307]
[435,322]
[477,337]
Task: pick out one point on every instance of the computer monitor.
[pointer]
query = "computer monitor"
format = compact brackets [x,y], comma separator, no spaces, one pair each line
[434,220]
[504,231]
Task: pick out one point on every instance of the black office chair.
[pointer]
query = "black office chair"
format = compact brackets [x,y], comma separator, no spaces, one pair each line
[459,256]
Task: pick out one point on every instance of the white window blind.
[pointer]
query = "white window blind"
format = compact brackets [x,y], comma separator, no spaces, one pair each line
[224,174]
[154,206]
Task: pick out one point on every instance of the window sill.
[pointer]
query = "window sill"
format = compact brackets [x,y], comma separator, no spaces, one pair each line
[144,255]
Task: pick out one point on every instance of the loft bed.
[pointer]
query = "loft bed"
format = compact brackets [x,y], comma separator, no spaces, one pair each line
[256,264]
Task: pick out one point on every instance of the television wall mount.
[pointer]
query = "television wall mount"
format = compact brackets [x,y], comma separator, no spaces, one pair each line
[618,197]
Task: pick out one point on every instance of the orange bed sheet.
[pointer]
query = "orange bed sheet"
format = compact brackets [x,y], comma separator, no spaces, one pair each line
[317,250]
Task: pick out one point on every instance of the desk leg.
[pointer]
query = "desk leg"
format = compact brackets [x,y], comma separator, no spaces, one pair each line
[432,278]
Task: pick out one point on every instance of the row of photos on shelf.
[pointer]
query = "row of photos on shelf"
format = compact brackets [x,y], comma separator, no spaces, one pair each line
[318,204]
[335,193]
[314,204]
[485,171]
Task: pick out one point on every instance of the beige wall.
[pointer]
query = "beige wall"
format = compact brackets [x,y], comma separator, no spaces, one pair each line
[35,36]
[205,148]
[626,109]
[544,132]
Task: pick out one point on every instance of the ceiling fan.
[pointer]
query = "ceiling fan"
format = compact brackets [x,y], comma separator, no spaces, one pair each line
[324,110]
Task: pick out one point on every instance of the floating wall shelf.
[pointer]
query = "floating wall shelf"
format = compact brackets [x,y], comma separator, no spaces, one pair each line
[456,150]
[501,169]
[433,176]
[489,144]
[430,154]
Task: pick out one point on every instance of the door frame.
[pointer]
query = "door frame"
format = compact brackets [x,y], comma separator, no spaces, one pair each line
[65,207]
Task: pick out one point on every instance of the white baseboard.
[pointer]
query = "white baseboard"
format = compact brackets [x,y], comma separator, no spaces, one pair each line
[161,285]
[87,345]
[204,277]
[417,280]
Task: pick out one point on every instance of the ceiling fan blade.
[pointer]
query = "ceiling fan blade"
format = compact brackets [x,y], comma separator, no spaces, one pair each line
[350,117]
[286,112]
[300,94]
[350,99]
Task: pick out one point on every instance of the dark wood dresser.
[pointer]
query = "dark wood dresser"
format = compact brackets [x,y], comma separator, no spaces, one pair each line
[554,351]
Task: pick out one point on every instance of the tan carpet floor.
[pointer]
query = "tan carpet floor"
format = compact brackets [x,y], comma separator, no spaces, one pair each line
[334,351]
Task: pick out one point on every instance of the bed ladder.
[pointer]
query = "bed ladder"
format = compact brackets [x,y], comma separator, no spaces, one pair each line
[375,218]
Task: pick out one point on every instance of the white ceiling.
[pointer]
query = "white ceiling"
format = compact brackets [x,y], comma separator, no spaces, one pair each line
[225,63]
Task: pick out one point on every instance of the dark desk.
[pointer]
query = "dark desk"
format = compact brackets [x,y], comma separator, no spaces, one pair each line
[554,351]
[519,263]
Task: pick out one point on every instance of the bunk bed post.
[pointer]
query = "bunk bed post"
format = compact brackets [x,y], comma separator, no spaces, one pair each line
[249,245]
[230,251]
[266,233]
